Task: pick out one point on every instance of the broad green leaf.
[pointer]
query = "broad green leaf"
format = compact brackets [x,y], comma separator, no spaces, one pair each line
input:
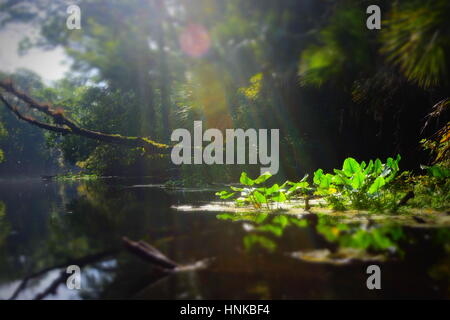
[363,165]
[368,169]
[245,180]
[272,189]
[390,163]
[339,172]
[325,181]
[259,197]
[393,164]
[376,185]
[296,186]
[358,180]
[317,176]
[262,178]
[351,166]
[227,196]
[279,197]
[340,178]
[377,167]
[303,184]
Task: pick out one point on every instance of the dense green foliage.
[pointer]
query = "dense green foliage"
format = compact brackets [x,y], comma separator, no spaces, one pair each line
[358,185]
[23,148]
[258,196]
[374,186]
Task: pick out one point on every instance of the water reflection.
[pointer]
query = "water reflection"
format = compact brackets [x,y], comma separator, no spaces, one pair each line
[44,226]
[365,237]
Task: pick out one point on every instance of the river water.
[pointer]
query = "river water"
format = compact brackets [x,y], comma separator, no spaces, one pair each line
[47,225]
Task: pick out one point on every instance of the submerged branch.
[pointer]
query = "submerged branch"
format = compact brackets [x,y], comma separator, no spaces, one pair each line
[64,125]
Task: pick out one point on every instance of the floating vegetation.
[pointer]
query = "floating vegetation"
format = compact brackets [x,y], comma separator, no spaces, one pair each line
[372,186]
[75,176]
[342,257]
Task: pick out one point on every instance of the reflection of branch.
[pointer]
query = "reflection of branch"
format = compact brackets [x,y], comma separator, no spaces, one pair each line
[63,276]
[64,125]
[154,256]
[164,265]
[53,286]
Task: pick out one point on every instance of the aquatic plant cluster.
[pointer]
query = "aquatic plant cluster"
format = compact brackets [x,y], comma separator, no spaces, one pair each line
[361,186]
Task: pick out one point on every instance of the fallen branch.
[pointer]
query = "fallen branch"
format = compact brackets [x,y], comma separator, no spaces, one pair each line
[149,253]
[64,125]
[32,121]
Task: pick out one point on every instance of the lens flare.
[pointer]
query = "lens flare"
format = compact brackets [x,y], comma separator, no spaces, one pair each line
[195,40]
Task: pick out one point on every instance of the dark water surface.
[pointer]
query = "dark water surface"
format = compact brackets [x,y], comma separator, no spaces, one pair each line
[47,224]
